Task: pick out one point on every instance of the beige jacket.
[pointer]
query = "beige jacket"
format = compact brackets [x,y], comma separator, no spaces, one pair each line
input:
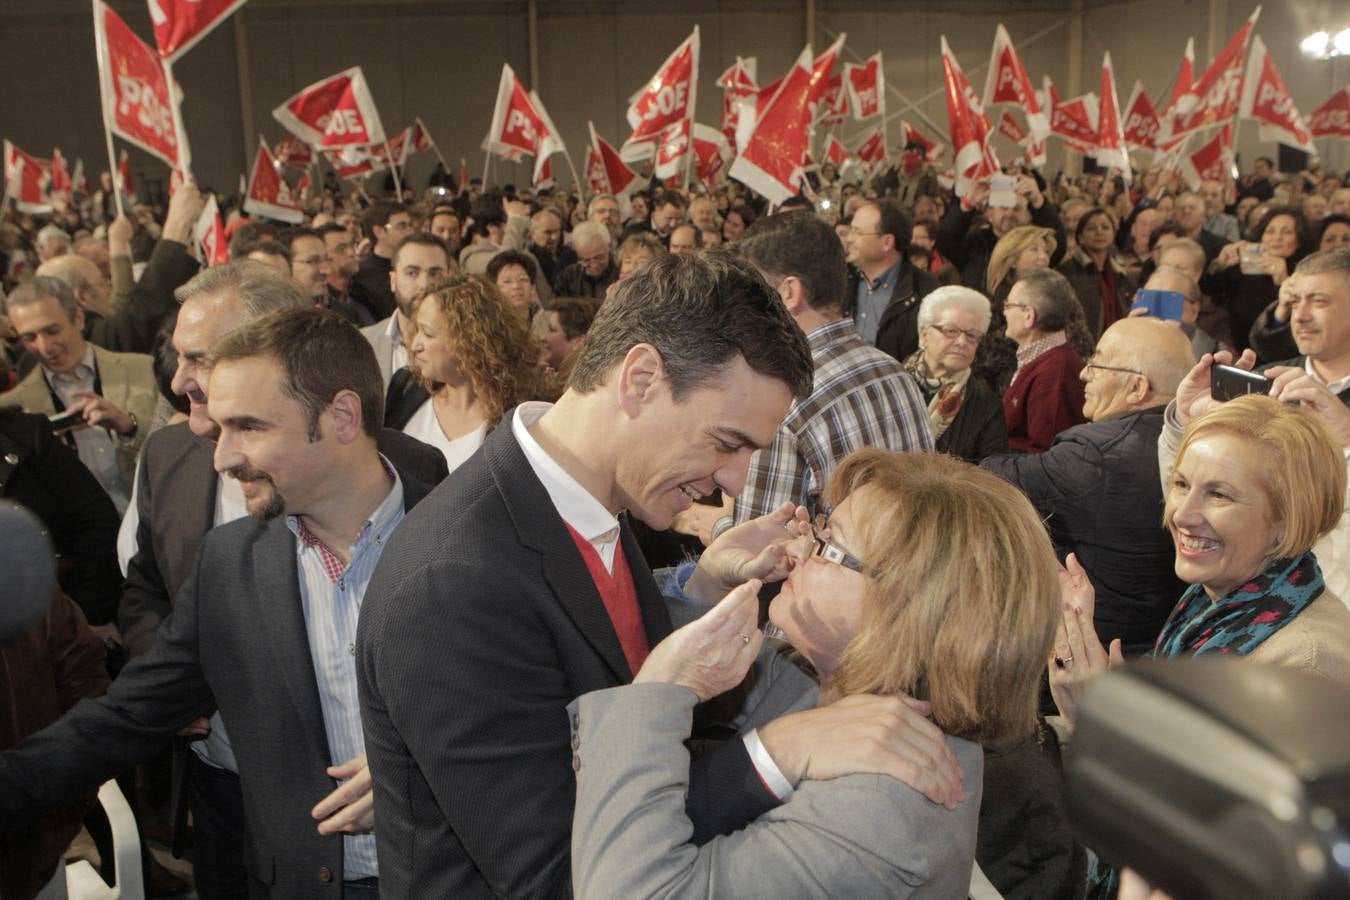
[128,383]
[1316,641]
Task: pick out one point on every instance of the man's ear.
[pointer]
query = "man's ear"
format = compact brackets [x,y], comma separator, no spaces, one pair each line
[640,377]
[793,293]
[346,412]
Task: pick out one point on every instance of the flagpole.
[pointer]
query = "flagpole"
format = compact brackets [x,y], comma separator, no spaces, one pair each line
[487,164]
[101,53]
[398,182]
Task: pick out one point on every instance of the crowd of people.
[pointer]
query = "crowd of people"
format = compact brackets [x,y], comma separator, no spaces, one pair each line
[502,542]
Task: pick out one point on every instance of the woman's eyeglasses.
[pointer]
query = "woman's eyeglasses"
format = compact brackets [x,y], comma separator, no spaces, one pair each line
[832,552]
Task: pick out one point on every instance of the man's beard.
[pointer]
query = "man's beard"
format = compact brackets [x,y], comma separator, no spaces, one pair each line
[273,506]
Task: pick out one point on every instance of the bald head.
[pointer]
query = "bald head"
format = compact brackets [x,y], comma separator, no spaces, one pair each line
[85,279]
[1159,349]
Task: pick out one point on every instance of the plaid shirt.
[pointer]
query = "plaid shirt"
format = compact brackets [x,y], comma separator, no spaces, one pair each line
[861,398]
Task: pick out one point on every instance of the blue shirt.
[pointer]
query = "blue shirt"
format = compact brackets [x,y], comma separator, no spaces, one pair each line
[871,301]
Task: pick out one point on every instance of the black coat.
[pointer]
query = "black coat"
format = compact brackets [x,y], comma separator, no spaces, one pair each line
[370,287]
[46,476]
[132,329]
[979,429]
[1244,297]
[1098,484]
[968,243]
[898,333]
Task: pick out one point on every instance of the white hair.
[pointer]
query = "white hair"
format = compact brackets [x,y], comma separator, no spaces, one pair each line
[51,233]
[589,232]
[957,297]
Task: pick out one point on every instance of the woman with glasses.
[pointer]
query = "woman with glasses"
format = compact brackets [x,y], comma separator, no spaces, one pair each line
[904,594]
[965,416]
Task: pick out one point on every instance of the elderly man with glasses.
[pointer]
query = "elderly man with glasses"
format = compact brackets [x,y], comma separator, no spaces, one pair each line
[1098,484]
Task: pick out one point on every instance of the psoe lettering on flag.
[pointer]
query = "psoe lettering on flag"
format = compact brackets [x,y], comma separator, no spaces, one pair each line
[866,88]
[1332,119]
[337,111]
[1141,120]
[180,24]
[1008,82]
[1267,100]
[1111,149]
[140,99]
[665,99]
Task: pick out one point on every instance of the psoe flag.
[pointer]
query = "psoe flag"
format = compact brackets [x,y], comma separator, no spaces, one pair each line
[665,99]
[180,24]
[267,193]
[338,111]
[139,99]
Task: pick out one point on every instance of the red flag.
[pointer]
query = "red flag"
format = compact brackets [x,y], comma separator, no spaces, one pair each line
[180,24]
[337,111]
[291,151]
[61,187]
[822,69]
[1219,90]
[596,181]
[1111,150]
[544,175]
[1265,98]
[1035,153]
[520,126]
[420,140]
[975,160]
[866,88]
[26,180]
[712,152]
[268,194]
[664,100]
[209,233]
[139,97]
[1182,98]
[1008,82]
[771,161]
[301,189]
[1073,120]
[672,150]
[1212,162]
[619,180]
[350,162]
[125,183]
[463,174]
[1008,127]
[834,104]
[1141,120]
[871,153]
[1332,119]
[835,152]
[932,149]
[736,82]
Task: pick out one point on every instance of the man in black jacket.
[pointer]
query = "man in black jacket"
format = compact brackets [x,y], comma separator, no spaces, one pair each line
[967,241]
[1098,482]
[884,287]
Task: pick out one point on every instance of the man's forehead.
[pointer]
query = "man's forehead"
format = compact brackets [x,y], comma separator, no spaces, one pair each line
[1332,284]
[422,256]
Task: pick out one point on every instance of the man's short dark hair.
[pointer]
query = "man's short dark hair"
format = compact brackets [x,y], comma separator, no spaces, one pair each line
[800,244]
[575,315]
[795,203]
[700,311]
[1166,229]
[320,354]
[893,220]
[250,233]
[1050,294]
[331,228]
[487,210]
[670,198]
[378,216]
[512,258]
[424,239]
[292,235]
[267,246]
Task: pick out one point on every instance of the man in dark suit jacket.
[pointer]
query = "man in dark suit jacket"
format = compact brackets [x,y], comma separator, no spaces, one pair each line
[243,633]
[519,586]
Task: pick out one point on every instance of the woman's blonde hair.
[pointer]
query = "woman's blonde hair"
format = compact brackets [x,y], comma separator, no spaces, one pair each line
[1010,246]
[1302,467]
[487,340]
[963,604]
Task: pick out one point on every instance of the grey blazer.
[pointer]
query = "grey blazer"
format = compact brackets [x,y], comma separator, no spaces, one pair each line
[856,837]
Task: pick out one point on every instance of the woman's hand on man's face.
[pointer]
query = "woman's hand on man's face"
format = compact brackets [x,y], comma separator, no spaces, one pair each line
[711,654]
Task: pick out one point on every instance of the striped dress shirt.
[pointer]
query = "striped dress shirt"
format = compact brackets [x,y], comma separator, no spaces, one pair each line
[861,398]
[331,595]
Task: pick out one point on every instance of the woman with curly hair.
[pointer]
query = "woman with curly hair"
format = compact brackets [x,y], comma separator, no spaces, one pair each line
[471,360]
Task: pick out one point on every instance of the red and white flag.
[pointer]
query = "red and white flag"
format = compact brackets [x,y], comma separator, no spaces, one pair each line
[672,150]
[596,182]
[1267,100]
[823,77]
[1211,162]
[771,160]
[712,153]
[834,103]
[77,179]
[1332,119]
[180,24]
[1111,150]
[1219,90]
[866,88]
[1008,82]
[26,181]
[1009,128]
[1035,154]
[520,124]
[61,186]
[301,190]
[350,162]
[125,182]
[140,97]
[871,153]
[1073,120]
[970,130]
[736,82]
[543,178]
[463,174]
[835,152]
[665,99]
[932,149]
[1182,99]
[1141,120]
[293,152]
[612,174]
[209,232]
[267,193]
[420,139]
[337,111]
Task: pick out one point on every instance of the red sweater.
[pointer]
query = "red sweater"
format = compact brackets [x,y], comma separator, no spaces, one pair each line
[1045,398]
